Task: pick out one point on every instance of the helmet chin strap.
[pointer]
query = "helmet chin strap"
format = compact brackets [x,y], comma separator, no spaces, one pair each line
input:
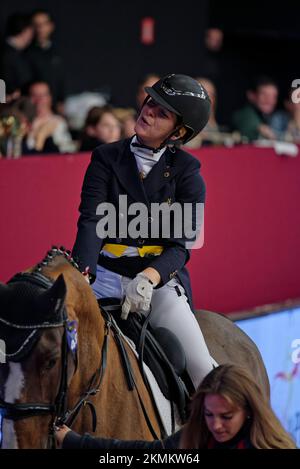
[172,142]
[167,142]
[139,144]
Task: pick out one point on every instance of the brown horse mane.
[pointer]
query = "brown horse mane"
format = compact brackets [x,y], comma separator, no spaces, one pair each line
[59,261]
[80,303]
[53,258]
[98,365]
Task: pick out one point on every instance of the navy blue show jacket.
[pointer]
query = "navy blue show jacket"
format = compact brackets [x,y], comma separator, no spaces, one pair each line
[113,172]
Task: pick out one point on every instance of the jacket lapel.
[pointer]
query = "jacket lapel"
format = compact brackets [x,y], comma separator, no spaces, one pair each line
[161,173]
[126,170]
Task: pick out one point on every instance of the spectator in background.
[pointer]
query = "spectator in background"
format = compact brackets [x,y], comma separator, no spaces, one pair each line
[21,114]
[15,69]
[147,80]
[47,124]
[254,121]
[224,62]
[286,122]
[127,118]
[212,93]
[212,128]
[293,110]
[27,113]
[46,64]
[214,39]
[213,42]
[101,126]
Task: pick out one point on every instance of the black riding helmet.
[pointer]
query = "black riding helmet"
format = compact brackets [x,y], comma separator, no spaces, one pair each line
[185,97]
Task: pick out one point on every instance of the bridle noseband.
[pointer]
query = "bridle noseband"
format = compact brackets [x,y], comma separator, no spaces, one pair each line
[58,409]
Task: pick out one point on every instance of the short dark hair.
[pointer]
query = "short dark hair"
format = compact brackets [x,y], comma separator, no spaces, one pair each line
[27,87]
[40,11]
[262,80]
[16,24]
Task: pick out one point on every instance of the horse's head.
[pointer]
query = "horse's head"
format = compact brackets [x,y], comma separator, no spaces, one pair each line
[40,336]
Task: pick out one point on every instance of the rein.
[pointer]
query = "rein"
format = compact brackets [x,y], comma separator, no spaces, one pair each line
[21,411]
[60,414]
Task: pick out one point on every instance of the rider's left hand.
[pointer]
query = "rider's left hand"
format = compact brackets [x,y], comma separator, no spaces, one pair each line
[60,433]
[138,295]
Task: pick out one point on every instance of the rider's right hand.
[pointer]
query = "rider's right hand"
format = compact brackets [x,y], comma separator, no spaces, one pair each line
[138,295]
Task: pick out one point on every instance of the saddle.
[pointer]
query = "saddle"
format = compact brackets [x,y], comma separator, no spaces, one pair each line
[161,351]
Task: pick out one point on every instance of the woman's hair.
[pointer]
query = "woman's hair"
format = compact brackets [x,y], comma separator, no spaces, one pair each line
[239,388]
[124,113]
[95,114]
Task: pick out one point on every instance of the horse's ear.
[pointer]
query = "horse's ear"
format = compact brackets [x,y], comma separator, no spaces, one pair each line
[51,302]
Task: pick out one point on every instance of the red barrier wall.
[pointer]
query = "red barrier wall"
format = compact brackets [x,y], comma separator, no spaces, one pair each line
[251,253]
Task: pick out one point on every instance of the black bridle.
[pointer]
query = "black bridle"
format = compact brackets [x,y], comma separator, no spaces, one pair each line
[58,409]
[60,414]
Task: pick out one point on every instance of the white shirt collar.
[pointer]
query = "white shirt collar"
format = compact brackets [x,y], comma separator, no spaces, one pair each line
[145,153]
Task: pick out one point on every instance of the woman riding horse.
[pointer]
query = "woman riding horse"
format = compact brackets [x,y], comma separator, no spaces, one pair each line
[142,172]
[62,359]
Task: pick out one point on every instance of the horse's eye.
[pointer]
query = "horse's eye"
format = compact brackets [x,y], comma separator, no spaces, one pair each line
[50,363]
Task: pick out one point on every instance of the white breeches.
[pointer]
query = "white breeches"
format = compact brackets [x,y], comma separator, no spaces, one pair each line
[171,311]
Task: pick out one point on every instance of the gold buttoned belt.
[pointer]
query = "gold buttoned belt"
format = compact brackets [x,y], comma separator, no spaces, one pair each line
[119,249]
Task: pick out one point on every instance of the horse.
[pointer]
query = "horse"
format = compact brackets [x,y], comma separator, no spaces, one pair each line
[63,360]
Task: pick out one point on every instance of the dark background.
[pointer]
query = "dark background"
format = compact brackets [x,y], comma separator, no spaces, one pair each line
[100,42]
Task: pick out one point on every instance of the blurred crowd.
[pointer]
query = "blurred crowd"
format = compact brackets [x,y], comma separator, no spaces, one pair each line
[39,118]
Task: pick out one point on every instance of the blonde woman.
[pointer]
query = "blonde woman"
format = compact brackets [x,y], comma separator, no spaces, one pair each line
[228,411]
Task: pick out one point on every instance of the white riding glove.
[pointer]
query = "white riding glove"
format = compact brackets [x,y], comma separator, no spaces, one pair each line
[138,295]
